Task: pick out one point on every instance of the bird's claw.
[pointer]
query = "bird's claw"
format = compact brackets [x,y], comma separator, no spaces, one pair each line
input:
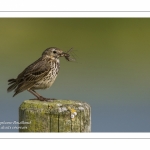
[44,99]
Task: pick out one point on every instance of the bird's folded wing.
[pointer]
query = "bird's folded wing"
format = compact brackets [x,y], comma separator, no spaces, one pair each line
[32,74]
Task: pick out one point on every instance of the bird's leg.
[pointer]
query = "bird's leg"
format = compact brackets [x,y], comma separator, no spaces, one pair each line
[39,97]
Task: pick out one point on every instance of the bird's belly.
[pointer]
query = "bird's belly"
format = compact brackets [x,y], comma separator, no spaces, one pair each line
[43,84]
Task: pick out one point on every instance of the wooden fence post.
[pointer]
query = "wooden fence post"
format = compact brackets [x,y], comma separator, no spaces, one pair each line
[56,116]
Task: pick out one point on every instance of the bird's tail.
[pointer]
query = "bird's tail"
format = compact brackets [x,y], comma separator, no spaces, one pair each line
[13,85]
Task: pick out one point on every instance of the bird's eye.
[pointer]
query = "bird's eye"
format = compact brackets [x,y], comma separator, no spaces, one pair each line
[54,52]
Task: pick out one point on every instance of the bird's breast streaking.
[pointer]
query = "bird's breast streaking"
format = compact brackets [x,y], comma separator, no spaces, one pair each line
[49,79]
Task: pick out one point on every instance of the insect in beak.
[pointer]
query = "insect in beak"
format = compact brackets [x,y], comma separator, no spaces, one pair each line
[67,56]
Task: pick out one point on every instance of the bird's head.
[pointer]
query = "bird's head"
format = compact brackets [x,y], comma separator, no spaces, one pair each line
[53,52]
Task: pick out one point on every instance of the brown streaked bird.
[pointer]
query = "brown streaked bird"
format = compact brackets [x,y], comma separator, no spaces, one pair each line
[41,74]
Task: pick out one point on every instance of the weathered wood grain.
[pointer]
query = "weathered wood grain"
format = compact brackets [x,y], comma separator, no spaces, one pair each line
[56,116]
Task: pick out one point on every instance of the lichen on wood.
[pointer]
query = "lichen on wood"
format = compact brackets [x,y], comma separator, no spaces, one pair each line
[56,116]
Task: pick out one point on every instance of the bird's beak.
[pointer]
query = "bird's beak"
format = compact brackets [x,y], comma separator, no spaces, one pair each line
[63,54]
[60,53]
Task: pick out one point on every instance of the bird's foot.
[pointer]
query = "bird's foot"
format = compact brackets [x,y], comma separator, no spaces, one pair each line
[47,99]
[44,99]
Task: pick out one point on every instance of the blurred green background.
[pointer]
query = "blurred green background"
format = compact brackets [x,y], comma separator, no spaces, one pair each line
[111,71]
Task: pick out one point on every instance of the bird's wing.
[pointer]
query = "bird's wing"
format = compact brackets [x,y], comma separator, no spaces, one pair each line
[32,74]
[36,71]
